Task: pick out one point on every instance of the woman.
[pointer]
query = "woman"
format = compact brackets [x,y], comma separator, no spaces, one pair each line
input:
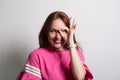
[59,56]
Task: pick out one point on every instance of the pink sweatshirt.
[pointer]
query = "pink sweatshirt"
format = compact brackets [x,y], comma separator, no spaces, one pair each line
[48,64]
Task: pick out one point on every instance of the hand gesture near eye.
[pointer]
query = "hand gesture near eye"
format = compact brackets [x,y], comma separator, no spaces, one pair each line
[72,31]
[69,36]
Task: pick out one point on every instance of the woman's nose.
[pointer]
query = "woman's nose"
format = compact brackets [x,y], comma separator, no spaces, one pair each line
[58,35]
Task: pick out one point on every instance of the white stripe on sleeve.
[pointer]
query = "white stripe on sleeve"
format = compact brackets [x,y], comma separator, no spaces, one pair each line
[33,70]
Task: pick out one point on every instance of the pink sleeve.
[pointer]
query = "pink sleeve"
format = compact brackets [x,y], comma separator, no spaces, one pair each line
[89,75]
[31,69]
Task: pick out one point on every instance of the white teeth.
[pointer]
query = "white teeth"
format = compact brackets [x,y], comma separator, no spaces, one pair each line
[57,41]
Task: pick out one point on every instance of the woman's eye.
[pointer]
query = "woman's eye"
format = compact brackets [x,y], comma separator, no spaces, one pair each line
[52,31]
[64,31]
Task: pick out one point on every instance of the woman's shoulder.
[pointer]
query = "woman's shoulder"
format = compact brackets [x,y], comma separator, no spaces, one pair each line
[38,51]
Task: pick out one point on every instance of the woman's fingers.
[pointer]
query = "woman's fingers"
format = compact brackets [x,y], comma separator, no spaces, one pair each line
[72,24]
[64,33]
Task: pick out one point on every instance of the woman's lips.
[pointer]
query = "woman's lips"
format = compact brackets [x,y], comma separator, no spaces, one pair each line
[57,42]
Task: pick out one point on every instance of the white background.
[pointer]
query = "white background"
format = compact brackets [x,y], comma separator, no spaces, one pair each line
[98,31]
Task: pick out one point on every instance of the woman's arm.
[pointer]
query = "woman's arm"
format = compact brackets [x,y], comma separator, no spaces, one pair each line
[78,68]
[76,64]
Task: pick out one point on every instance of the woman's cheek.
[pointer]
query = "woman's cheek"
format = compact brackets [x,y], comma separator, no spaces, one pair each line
[50,37]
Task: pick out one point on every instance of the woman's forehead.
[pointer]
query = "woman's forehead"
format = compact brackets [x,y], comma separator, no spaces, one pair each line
[58,23]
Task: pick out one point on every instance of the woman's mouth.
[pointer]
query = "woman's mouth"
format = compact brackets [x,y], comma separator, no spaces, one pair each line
[57,42]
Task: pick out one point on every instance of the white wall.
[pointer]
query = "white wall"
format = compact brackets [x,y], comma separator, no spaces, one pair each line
[98,32]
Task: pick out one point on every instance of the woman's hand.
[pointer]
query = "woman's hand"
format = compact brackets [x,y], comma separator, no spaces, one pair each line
[68,34]
[72,31]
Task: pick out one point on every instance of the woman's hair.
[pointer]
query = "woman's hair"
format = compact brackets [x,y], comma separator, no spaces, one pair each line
[43,35]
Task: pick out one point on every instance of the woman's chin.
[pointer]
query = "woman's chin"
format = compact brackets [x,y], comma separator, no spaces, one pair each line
[58,47]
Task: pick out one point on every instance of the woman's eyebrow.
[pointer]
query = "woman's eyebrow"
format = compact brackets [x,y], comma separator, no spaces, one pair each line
[53,29]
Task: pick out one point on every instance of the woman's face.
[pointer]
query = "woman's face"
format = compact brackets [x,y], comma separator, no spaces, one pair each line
[56,33]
